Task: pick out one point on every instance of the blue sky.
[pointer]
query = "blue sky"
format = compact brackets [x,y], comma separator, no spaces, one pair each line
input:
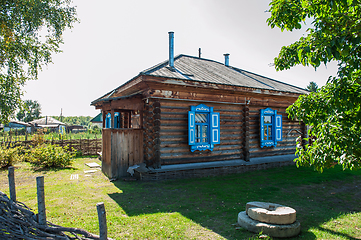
[116,40]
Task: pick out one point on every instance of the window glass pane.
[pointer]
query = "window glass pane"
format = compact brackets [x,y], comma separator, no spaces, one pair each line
[269,132]
[198,133]
[204,133]
[267,119]
[201,118]
[265,133]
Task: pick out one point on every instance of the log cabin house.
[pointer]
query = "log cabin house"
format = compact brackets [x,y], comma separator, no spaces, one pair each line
[189,116]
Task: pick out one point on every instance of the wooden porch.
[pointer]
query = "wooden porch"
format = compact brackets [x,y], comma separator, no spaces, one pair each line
[121,148]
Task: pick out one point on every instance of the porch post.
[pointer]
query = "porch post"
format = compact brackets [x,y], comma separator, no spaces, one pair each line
[112,118]
[121,119]
[130,119]
[104,113]
[141,119]
[126,119]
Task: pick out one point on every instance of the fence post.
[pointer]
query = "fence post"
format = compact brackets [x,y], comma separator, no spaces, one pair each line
[103,232]
[41,200]
[88,146]
[96,145]
[11,177]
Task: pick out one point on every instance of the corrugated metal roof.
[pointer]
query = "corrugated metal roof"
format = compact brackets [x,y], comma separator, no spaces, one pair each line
[20,123]
[47,121]
[205,70]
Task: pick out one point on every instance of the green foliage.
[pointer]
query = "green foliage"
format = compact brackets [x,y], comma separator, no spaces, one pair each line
[39,154]
[29,111]
[312,87]
[38,138]
[30,31]
[94,129]
[75,120]
[10,156]
[333,112]
[334,117]
[50,156]
[334,35]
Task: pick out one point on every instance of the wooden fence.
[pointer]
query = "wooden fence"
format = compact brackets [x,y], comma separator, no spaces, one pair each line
[122,148]
[86,147]
[21,223]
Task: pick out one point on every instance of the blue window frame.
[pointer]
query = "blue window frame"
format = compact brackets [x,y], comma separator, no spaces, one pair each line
[203,128]
[270,127]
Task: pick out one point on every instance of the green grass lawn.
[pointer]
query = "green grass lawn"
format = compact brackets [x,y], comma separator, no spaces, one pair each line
[328,205]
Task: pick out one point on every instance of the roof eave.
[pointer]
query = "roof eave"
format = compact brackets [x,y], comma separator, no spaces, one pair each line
[116,98]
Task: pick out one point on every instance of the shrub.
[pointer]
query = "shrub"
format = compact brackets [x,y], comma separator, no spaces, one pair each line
[78,153]
[38,138]
[10,156]
[47,155]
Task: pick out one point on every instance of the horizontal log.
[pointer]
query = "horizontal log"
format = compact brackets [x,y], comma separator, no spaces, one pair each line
[185,148]
[256,148]
[191,155]
[186,104]
[278,153]
[169,161]
[168,141]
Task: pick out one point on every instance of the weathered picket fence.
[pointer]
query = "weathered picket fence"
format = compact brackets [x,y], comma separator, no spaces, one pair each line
[85,146]
[19,222]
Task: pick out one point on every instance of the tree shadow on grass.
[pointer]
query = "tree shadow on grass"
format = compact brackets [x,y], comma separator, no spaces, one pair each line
[215,202]
[337,234]
[37,169]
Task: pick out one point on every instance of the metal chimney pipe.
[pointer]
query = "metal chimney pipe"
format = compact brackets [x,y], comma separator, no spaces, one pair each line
[171,49]
[226,59]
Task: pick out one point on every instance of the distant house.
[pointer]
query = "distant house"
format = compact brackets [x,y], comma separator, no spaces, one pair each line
[98,120]
[49,123]
[197,117]
[17,125]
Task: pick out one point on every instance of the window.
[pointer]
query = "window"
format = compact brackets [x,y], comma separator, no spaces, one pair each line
[203,128]
[271,127]
[116,120]
[108,120]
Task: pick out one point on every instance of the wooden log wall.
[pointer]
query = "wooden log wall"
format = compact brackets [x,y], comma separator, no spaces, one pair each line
[151,123]
[121,148]
[167,124]
[290,131]
[174,148]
